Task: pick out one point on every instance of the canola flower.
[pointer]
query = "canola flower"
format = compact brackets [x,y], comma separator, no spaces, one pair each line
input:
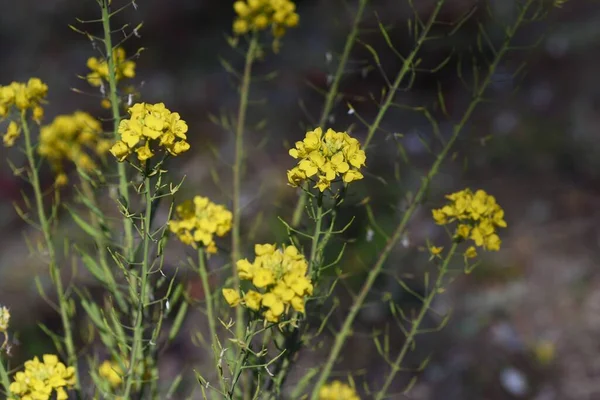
[99,68]
[279,275]
[42,379]
[258,15]
[71,138]
[337,390]
[112,373]
[197,222]
[23,96]
[478,216]
[148,127]
[328,157]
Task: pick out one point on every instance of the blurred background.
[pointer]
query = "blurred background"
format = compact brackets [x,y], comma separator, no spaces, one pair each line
[525,324]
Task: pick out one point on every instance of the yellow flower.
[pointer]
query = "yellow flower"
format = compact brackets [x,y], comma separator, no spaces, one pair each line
[23,96]
[471,252]
[72,138]
[111,372]
[435,251]
[99,68]
[252,300]
[150,126]
[337,390]
[478,215]
[258,15]
[197,222]
[40,380]
[12,134]
[328,157]
[232,297]
[279,274]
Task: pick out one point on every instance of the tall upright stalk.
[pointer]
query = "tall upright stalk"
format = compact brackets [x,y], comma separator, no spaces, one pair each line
[55,275]
[210,311]
[116,116]
[237,173]
[237,183]
[136,356]
[401,227]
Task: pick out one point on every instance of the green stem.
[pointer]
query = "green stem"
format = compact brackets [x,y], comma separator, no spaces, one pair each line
[116,115]
[237,173]
[63,304]
[138,334]
[406,67]
[416,323]
[237,183]
[4,375]
[210,312]
[102,245]
[399,231]
[332,94]
[313,264]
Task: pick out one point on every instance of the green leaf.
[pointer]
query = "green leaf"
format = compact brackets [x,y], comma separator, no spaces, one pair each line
[87,228]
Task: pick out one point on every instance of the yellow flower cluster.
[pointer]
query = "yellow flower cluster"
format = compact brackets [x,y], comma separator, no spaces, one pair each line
[281,274]
[23,96]
[40,380]
[123,68]
[257,15]
[147,123]
[111,372]
[67,138]
[337,390]
[478,216]
[328,156]
[198,220]
[4,319]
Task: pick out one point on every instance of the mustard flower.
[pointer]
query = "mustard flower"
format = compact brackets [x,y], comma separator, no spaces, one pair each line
[111,372]
[279,275]
[150,126]
[197,221]
[23,96]
[258,15]
[12,134]
[337,390]
[4,319]
[72,138]
[40,380]
[330,157]
[99,68]
[478,217]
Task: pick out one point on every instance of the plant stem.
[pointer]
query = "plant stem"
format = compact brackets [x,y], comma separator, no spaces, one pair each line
[399,231]
[332,94]
[138,334]
[237,172]
[102,245]
[416,323]
[210,312]
[237,183]
[315,239]
[63,304]
[4,374]
[116,115]
[406,67]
